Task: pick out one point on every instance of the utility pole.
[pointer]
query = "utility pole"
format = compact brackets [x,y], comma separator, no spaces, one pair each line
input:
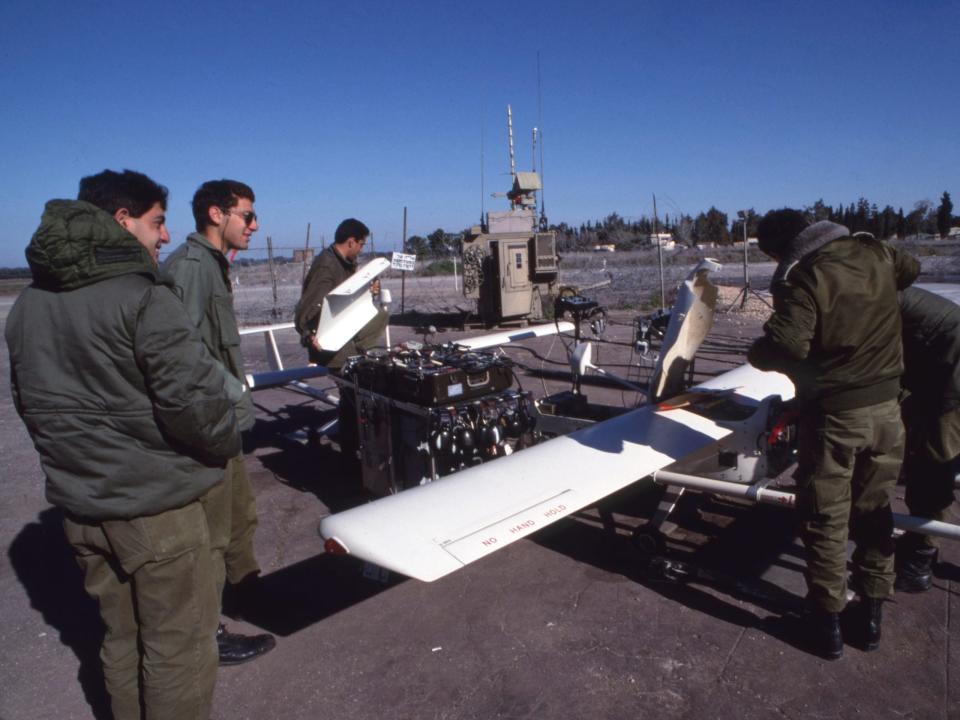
[403,273]
[746,273]
[656,235]
[306,249]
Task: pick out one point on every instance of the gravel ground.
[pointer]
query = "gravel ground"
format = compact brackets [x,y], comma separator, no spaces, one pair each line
[565,624]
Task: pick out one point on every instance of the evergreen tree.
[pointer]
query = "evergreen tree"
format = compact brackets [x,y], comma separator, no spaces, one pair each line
[944,215]
[415,245]
[712,227]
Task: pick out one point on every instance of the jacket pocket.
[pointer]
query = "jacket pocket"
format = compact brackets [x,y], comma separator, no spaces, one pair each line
[227,331]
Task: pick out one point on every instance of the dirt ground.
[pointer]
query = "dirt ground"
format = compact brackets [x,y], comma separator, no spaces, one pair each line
[569,623]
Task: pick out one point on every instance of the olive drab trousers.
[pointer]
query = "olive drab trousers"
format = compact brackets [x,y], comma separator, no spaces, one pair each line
[153,581]
[849,462]
[930,467]
[232,519]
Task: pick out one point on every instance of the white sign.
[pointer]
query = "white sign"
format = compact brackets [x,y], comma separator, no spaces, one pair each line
[399,261]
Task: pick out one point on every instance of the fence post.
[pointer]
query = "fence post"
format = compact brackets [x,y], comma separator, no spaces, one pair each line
[273,274]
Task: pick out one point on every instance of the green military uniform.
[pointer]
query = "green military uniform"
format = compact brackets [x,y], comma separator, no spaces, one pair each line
[201,274]
[836,333]
[328,270]
[128,414]
[931,412]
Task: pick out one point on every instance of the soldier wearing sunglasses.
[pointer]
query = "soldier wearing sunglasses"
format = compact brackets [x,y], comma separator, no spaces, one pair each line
[225,220]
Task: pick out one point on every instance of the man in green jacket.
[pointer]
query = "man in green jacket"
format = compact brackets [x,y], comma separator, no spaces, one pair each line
[835,332]
[127,411]
[225,220]
[931,415]
[332,266]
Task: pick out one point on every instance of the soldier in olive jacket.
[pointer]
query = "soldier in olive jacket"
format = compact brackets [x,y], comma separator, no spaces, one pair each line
[332,266]
[931,414]
[128,413]
[225,220]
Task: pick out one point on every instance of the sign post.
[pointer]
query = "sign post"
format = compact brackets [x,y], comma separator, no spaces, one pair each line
[403,262]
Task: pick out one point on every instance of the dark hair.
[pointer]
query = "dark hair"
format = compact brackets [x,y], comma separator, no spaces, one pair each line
[223,194]
[112,191]
[778,228]
[350,228]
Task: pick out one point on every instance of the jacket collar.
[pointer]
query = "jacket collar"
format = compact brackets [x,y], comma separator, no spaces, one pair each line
[198,240]
[342,260]
[809,241]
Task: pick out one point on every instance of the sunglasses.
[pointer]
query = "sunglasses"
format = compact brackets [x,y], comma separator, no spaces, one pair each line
[249,217]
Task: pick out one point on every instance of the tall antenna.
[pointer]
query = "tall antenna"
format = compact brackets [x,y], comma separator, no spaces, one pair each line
[534,165]
[513,164]
[483,212]
[543,202]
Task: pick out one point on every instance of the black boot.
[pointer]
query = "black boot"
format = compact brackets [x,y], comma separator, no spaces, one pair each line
[825,637]
[871,615]
[914,566]
[235,649]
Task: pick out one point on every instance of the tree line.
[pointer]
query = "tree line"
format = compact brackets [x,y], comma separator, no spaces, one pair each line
[715,228]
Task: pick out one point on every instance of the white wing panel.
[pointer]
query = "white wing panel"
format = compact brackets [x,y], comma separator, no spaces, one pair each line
[509,336]
[748,382]
[349,306]
[432,530]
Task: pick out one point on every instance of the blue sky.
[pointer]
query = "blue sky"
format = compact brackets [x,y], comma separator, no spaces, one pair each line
[331,110]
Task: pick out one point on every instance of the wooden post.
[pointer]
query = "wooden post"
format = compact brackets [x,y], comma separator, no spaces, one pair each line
[273,274]
[656,235]
[306,248]
[403,273]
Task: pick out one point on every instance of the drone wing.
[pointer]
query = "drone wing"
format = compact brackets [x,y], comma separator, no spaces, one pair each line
[432,530]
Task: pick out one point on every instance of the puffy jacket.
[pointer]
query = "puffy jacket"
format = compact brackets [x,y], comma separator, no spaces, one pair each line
[125,406]
[835,330]
[201,275]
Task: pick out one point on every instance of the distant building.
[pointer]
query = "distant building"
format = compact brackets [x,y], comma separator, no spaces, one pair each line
[664,240]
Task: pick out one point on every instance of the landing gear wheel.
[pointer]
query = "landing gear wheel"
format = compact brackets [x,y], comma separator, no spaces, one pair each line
[648,541]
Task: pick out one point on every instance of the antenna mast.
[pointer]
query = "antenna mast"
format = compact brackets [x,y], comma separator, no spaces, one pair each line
[539,129]
[483,213]
[513,164]
[534,165]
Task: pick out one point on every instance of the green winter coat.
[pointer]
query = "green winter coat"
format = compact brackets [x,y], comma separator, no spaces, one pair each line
[125,407]
[836,327]
[201,275]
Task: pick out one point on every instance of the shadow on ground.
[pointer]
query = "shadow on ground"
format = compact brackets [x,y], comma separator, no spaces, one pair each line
[300,595]
[45,566]
[720,560]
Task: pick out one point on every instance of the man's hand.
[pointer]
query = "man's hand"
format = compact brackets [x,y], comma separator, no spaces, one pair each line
[375,287]
[315,342]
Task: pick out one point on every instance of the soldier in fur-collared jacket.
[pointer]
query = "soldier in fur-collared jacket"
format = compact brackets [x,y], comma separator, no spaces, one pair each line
[836,332]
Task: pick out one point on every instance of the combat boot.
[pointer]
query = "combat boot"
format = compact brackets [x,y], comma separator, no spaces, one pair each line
[235,648]
[825,637]
[871,611]
[914,567]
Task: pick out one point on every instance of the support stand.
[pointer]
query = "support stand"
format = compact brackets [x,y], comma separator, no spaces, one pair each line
[744,293]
